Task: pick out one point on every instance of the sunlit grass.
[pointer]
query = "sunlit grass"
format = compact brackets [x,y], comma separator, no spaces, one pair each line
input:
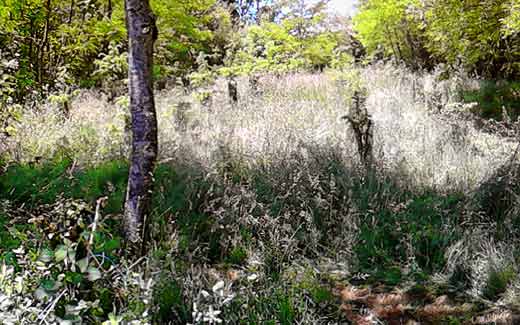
[268,194]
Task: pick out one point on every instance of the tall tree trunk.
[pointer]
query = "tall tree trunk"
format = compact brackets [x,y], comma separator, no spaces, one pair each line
[234,11]
[71,12]
[43,45]
[109,9]
[142,33]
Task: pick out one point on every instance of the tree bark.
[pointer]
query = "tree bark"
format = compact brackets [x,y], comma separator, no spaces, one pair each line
[109,9]
[44,44]
[142,33]
[71,12]
[234,11]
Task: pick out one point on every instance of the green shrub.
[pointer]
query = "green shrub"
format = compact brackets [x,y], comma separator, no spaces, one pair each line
[237,256]
[272,307]
[321,294]
[285,309]
[497,282]
[492,96]
[170,302]
[274,261]
[197,231]
[7,241]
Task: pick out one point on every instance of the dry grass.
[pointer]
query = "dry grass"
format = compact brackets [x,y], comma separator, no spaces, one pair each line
[293,114]
[402,308]
[438,150]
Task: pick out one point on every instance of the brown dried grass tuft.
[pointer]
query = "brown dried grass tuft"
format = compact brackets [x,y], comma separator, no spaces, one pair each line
[390,307]
[500,317]
[441,308]
[397,308]
[352,293]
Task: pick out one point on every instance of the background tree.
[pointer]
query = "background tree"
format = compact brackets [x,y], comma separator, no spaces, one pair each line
[142,33]
[390,28]
[481,36]
[245,10]
[475,34]
[55,43]
[301,37]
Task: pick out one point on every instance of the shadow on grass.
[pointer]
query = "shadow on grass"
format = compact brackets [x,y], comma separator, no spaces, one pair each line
[320,200]
[493,95]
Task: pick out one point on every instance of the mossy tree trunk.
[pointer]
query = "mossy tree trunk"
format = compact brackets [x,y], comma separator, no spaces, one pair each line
[142,33]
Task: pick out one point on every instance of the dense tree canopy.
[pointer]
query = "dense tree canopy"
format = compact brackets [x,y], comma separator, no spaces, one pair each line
[53,43]
[48,45]
[479,35]
[51,46]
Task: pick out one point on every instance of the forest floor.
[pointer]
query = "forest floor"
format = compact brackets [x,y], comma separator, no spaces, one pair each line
[263,213]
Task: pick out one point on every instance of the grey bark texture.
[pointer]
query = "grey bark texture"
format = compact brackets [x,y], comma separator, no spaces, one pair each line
[142,33]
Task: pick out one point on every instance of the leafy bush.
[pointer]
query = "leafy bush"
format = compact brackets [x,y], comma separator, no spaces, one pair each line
[237,256]
[497,282]
[492,96]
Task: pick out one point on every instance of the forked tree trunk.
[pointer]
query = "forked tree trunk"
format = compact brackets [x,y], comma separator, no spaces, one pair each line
[142,33]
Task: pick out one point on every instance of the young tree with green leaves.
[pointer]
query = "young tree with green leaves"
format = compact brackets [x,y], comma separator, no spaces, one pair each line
[300,39]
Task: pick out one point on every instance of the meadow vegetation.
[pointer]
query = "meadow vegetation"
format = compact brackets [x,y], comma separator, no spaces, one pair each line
[263,211]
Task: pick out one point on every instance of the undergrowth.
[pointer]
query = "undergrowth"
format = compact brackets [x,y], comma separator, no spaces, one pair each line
[493,96]
[264,227]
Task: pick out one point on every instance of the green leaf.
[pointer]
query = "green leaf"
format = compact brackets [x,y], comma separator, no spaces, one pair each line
[93,274]
[46,255]
[111,245]
[74,277]
[60,253]
[82,264]
[50,285]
